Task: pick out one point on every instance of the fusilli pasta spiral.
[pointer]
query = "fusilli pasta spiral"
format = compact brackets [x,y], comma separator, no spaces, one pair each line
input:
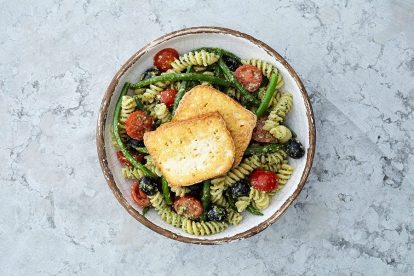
[281,133]
[180,191]
[132,173]
[266,68]
[242,170]
[260,199]
[233,217]
[128,106]
[216,191]
[242,203]
[203,228]
[272,161]
[278,113]
[139,91]
[162,113]
[284,173]
[197,58]
[157,201]
[170,217]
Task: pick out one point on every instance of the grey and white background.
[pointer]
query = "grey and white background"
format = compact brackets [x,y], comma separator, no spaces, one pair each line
[355,215]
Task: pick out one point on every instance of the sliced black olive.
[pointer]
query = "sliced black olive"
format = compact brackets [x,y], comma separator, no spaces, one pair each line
[150,73]
[217,213]
[148,186]
[135,143]
[294,149]
[240,188]
[231,63]
[195,190]
[265,82]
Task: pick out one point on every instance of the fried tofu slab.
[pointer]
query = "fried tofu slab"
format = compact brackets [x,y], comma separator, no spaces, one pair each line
[204,99]
[190,151]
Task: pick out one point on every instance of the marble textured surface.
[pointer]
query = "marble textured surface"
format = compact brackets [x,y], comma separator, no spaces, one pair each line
[355,215]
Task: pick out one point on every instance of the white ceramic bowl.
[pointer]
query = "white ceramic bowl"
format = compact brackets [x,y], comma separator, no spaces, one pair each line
[245,46]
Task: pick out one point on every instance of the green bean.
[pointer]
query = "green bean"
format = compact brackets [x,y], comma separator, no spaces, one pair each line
[140,149]
[258,149]
[166,191]
[217,71]
[180,92]
[118,139]
[181,76]
[220,52]
[253,211]
[229,75]
[205,198]
[231,201]
[268,95]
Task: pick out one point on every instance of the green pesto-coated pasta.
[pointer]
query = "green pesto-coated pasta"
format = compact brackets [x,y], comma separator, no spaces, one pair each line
[233,217]
[284,173]
[180,191]
[278,114]
[161,112]
[206,66]
[132,173]
[272,161]
[259,199]
[196,58]
[242,203]
[203,228]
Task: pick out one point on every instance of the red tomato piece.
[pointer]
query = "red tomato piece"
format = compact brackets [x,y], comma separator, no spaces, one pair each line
[188,206]
[138,156]
[261,135]
[139,196]
[249,76]
[137,124]
[122,159]
[168,97]
[263,180]
[163,59]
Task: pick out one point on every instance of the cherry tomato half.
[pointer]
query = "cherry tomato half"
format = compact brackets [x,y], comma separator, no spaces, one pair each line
[188,206]
[163,59]
[138,196]
[122,159]
[137,124]
[261,135]
[249,76]
[168,97]
[263,180]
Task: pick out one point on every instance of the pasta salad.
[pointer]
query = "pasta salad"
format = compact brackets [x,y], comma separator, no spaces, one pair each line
[211,205]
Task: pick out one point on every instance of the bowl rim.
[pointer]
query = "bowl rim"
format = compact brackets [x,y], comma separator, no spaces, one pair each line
[102,116]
